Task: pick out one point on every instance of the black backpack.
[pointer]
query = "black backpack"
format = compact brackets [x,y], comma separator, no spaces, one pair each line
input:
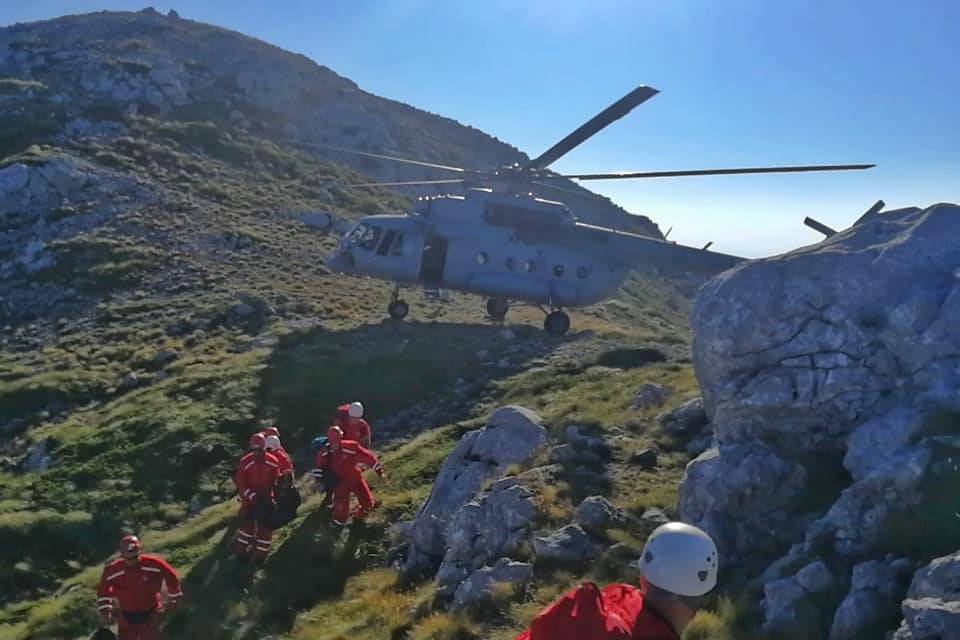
[103,633]
[285,509]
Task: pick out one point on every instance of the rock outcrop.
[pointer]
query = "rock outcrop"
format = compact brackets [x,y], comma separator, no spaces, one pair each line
[511,436]
[830,377]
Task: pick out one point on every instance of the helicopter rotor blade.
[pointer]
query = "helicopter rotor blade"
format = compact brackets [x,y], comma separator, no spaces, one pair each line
[405,183]
[379,156]
[713,172]
[617,110]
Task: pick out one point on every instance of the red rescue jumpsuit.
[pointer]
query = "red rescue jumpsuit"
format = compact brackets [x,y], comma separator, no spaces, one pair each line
[283,458]
[587,613]
[358,430]
[345,463]
[256,477]
[137,589]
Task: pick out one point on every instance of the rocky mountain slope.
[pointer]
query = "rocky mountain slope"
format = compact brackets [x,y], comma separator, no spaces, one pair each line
[82,74]
[162,294]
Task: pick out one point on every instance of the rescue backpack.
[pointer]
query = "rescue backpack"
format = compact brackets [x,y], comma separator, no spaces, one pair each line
[586,612]
[103,633]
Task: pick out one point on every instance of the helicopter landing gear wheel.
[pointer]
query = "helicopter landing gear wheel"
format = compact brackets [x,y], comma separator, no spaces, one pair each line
[398,309]
[556,323]
[497,308]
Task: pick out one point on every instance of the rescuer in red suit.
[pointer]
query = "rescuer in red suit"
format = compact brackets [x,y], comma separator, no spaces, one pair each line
[679,566]
[276,448]
[256,479]
[133,582]
[345,460]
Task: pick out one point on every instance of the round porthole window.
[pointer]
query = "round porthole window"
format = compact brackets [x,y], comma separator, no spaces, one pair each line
[582,272]
[530,266]
[558,270]
[511,263]
[483,258]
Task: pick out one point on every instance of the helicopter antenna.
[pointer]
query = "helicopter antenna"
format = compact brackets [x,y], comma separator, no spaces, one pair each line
[667,234]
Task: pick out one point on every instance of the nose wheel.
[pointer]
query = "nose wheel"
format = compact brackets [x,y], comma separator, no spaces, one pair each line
[556,323]
[497,308]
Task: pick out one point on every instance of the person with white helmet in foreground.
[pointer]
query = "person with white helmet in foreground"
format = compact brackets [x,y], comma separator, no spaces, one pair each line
[679,568]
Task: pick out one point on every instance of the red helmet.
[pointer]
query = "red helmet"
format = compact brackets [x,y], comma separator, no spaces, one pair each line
[258,441]
[334,435]
[130,546]
[271,431]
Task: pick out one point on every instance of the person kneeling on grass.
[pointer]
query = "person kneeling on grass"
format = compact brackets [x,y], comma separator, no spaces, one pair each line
[679,567]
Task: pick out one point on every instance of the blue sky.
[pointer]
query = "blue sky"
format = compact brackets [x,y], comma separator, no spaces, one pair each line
[742,83]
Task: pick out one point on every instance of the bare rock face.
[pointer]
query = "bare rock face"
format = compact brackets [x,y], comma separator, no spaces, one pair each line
[932,608]
[830,377]
[511,436]
[491,526]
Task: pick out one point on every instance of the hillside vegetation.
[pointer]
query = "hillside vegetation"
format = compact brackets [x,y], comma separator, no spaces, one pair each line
[162,299]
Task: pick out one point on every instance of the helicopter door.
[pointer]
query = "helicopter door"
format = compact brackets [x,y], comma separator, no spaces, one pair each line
[434,260]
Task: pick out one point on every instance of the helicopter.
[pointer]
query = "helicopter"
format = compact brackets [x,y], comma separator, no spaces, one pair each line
[500,240]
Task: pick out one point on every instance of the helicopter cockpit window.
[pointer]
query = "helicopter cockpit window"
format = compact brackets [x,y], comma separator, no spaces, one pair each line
[367,237]
[482,258]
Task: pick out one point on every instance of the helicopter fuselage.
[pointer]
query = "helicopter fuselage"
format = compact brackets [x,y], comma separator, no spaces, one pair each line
[513,247]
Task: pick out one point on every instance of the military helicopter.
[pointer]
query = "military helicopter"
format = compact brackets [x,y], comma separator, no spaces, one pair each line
[501,241]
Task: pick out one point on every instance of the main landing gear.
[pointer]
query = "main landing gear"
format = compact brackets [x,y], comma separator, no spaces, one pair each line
[398,308]
[557,323]
[497,308]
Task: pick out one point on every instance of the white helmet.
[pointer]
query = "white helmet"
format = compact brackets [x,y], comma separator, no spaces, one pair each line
[355,410]
[681,559]
[273,443]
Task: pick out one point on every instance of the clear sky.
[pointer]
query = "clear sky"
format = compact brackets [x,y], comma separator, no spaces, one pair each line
[743,82]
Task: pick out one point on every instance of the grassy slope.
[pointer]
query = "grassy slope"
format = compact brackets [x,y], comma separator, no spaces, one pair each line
[136,459]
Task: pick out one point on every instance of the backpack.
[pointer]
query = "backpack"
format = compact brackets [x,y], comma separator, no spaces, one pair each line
[103,633]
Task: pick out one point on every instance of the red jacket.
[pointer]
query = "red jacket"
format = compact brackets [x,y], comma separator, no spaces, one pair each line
[587,613]
[256,477]
[347,462]
[283,458]
[137,587]
[358,430]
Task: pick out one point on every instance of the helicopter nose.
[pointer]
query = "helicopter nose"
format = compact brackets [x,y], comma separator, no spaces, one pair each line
[339,261]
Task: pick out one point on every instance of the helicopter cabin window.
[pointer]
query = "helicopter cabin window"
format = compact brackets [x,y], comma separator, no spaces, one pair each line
[582,272]
[386,242]
[482,258]
[511,263]
[367,237]
[558,270]
[397,248]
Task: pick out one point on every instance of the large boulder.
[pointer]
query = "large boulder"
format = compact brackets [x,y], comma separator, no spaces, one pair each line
[511,436]
[829,376]
[843,348]
[932,608]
